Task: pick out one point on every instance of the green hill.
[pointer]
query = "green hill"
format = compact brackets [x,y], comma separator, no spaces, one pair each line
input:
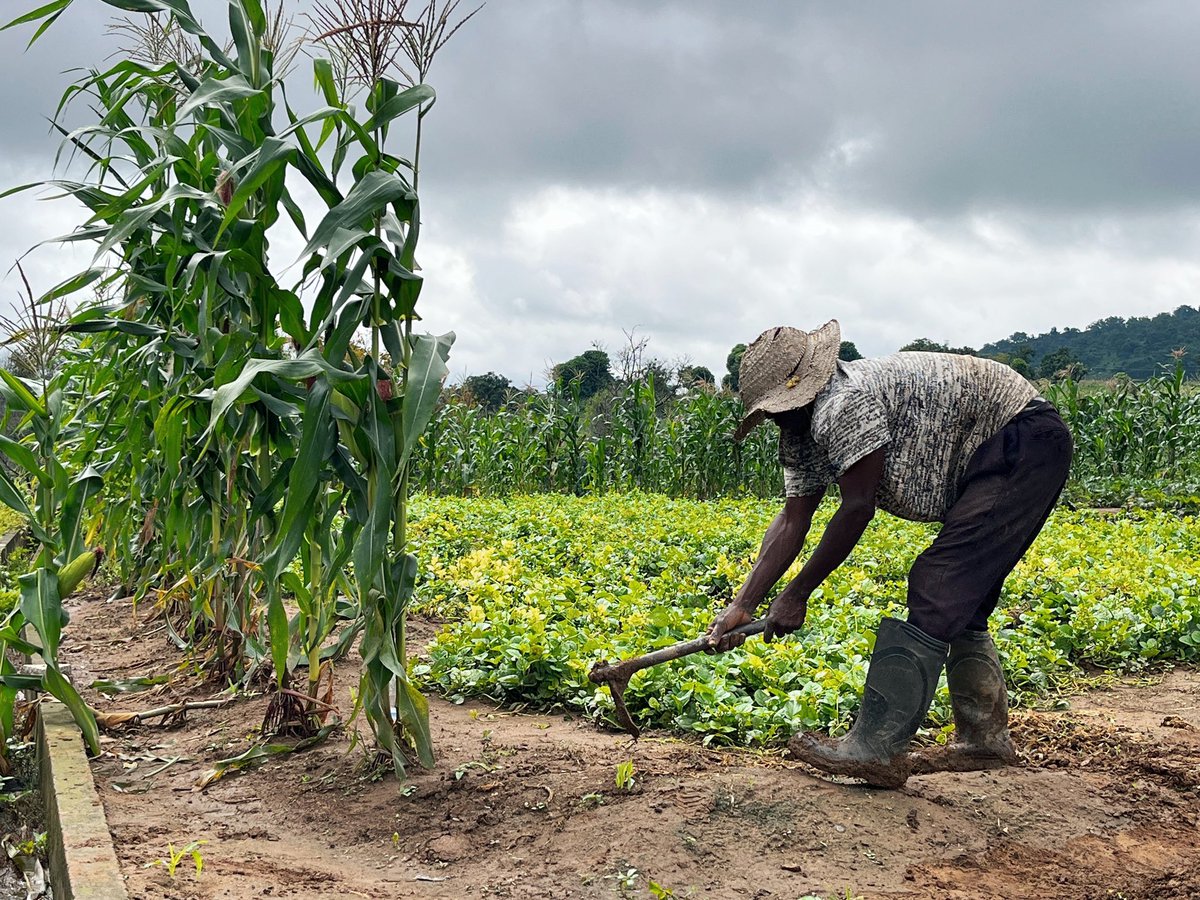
[1139,346]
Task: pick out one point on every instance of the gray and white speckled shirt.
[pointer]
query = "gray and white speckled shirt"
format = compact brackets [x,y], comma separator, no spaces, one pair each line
[930,410]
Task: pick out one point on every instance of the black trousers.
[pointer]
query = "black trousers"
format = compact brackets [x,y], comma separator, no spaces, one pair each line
[1011,484]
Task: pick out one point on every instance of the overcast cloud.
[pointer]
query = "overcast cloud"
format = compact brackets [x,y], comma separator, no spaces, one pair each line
[699,171]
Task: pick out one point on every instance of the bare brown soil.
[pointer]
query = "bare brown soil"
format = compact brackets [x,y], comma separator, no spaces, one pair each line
[1104,805]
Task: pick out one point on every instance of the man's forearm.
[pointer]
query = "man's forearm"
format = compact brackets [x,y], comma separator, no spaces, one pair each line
[839,538]
[781,545]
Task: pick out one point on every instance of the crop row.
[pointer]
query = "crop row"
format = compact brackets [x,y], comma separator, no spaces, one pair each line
[1135,440]
[536,589]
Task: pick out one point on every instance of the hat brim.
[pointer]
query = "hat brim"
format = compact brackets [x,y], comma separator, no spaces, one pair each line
[797,393]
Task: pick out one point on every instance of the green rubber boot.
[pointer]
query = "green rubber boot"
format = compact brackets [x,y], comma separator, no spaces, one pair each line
[900,684]
[980,702]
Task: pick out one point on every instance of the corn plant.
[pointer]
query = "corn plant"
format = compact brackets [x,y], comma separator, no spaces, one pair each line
[628,441]
[1133,437]
[252,426]
[52,499]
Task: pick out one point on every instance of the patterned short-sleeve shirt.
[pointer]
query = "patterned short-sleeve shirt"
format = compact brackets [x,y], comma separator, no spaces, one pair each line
[931,411]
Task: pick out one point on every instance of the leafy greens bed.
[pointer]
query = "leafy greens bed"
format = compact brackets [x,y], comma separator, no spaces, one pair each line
[536,589]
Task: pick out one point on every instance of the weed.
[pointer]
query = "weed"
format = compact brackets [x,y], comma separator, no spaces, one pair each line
[626,879]
[176,856]
[460,772]
[625,778]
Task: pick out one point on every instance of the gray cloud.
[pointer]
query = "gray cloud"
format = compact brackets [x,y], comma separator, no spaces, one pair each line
[1067,105]
[702,170]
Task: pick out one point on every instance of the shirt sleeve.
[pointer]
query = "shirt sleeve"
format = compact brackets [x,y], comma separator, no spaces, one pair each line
[806,469]
[850,427]
[802,483]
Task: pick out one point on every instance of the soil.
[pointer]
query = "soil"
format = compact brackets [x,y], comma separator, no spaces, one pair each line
[1103,804]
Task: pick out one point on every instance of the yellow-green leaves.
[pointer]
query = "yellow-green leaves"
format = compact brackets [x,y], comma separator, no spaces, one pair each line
[539,588]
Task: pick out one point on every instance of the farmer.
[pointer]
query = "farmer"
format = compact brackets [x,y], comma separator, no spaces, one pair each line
[930,437]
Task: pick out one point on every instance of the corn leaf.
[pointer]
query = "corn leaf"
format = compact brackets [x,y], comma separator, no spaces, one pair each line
[307,365]
[259,754]
[17,393]
[426,371]
[81,488]
[317,442]
[71,285]
[53,9]
[277,627]
[65,692]
[22,456]
[399,104]
[41,605]
[370,196]
[263,163]
[412,709]
[129,685]
[10,495]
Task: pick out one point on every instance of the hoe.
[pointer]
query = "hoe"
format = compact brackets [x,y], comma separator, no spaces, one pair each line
[617,676]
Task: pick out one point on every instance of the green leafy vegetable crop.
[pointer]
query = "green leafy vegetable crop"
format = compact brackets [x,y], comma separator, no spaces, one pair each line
[536,589]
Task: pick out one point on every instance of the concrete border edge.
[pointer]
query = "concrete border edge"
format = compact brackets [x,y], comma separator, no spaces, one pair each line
[83,860]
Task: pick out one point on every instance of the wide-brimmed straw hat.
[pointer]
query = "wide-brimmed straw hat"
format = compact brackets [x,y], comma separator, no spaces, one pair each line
[784,369]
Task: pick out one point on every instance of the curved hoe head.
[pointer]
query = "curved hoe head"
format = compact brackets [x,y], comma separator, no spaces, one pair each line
[617,680]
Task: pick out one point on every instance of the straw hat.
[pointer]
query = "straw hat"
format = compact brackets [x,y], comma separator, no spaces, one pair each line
[784,369]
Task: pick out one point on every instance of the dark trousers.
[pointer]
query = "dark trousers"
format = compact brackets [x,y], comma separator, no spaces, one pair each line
[1011,484]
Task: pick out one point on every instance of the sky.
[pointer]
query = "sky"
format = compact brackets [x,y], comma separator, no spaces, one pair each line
[692,172]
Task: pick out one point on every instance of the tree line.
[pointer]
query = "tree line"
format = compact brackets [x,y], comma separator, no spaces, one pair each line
[1140,347]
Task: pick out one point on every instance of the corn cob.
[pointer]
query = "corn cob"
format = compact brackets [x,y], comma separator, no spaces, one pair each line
[73,573]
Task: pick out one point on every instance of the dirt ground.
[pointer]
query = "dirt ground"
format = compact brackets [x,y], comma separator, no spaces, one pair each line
[522,805]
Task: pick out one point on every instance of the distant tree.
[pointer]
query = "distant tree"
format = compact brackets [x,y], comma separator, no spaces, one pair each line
[490,391]
[660,375]
[1022,367]
[733,363]
[631,358]
[590,370]
[848,352]
[1061,364]
[1019,364]
[690,376]
[925,345]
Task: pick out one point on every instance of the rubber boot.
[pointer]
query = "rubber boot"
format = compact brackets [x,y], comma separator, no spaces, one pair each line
[980,703]
[901,680]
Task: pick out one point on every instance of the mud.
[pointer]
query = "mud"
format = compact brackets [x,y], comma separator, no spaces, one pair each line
[1103,803]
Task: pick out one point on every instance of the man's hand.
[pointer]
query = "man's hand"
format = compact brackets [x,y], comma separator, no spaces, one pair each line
[786,615]
[730,618]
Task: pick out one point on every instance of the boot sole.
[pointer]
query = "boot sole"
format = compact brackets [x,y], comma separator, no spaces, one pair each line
[954,759]
[890,774]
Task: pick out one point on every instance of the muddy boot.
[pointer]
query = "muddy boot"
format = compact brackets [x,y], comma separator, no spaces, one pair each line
[980,702]
[900,684]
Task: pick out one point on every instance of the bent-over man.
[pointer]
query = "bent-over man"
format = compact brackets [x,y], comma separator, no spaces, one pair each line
[931,437]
